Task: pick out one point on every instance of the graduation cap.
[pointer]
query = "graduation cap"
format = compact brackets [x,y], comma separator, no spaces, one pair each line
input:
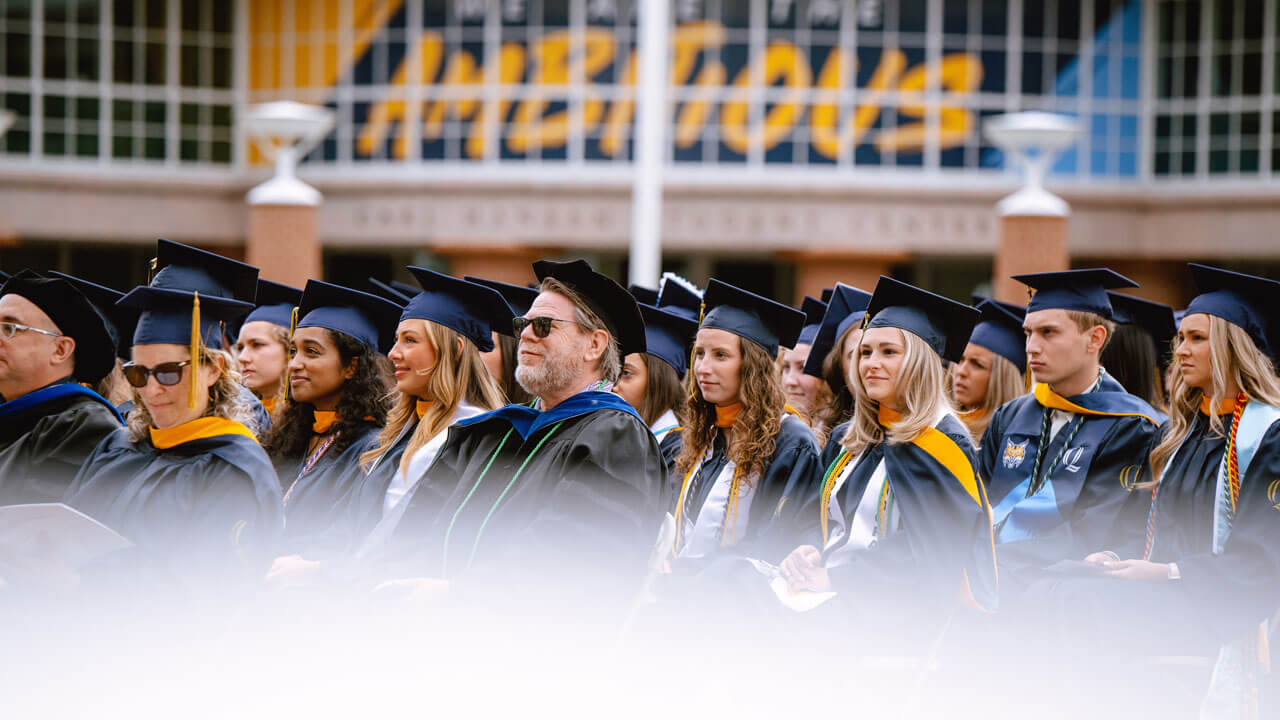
[75,316]
[120,320]
[472,310]
[827,293]
[386,292]
[275,303]
[1000,331]
[642,294]
[678,295]
[668,336]
[4,276]
[764,322]
[848,305]
[1246,301]
[606,298]
[404,288]
[1157,319]
[942,323]
[519,297]
[813,309]
[186,269]
[369,319]
[1082,290]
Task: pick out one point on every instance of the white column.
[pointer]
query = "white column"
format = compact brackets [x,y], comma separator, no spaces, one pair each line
[651,148]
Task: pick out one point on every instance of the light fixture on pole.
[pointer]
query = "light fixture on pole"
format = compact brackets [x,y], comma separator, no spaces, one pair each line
[286,131]
[1034,139]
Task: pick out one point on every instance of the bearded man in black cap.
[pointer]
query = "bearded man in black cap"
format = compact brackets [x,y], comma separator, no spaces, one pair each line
[527,503]
[51,339]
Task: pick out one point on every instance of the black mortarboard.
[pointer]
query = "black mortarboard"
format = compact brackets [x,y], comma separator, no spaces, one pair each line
[75,316]
[813,309]
[1246,301]
[942,323]
[607,299]
[470,309]
[519,297]
[275,303]
[386,292]
[369,319]
[848,305]
[678,295]
[121,320]
[765,322]
[403,288]
[1082,290]
[1000,331]
[4,276]
[642,294]
[668,336]
[1155,318]
[188,269]
[827,293]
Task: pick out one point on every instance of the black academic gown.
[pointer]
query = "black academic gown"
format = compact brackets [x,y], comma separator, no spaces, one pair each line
[538,510]
[203,515]
[45,438]
[317,517]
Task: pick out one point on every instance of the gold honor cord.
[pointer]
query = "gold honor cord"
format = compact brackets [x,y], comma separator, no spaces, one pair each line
[193,387]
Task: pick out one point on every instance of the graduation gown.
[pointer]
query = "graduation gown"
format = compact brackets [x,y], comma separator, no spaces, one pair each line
[316,501]
[759,529]
[1088,501]
[538,507]
[938,543]
[204,512]
[45,438]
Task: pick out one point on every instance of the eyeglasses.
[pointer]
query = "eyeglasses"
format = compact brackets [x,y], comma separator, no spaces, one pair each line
[9,329]
[541,325]
[167,374]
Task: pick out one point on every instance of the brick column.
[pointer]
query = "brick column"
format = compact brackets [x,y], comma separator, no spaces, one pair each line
[505,263]
[818,269]
[1028,244]
[284,242]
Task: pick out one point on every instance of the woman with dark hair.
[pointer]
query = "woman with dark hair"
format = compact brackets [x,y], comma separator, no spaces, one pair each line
[1139,350]
[337,404]
[741,454]
[502,358]
[653,381]
[834,354]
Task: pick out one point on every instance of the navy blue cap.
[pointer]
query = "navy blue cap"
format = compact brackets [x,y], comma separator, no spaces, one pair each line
[607,299]
[403,288]
[75,315]
[678,295]
[827,293]
[519,297]
[4,276]
[275,303]
[643,295]
[1082,290]
[764,322]
[1246,301]
[470,309]
[848,305]
[386,292]
[120,320]
[369,319]
[813,309]
[1000,331]
[942,323]
[668,336]
[1155,318]
[188,269]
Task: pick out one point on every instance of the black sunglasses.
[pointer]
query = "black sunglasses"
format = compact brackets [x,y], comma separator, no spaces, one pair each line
[541,325]
[167,374]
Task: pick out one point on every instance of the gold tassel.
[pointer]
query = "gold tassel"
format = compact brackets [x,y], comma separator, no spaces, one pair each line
[151,270]
[293,325]
[193,388]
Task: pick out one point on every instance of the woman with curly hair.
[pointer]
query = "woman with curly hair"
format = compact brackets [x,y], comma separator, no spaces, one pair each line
[337,405]
[741,454]
[186,480]
[992,370]
[900,509]
[262,345]
[833,355]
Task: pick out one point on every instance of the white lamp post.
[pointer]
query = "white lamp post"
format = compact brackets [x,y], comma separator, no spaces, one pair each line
[286,131]
[1034,139]
[651,147]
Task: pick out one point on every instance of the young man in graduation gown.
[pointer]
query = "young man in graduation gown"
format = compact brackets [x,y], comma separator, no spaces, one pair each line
[51,340]
[529,505]
[1061,463]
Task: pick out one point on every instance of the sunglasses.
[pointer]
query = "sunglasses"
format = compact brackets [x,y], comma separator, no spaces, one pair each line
[541,325]
[167,374]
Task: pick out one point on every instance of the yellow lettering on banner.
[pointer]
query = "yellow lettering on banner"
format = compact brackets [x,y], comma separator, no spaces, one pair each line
[782,62]
[824,117]
[551,59]
[392,108]
[688,43]
[464,83]
[617,126]
[959,73]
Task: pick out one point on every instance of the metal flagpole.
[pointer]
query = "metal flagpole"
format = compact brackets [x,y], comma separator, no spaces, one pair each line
[650,147]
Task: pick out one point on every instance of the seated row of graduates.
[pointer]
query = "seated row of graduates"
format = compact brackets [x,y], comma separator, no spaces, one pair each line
[899,507]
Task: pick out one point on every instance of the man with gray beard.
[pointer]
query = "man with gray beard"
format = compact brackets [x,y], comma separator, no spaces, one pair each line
[557,504]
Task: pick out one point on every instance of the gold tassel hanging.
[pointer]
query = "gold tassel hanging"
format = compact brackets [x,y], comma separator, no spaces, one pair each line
[293,325]
[193,388]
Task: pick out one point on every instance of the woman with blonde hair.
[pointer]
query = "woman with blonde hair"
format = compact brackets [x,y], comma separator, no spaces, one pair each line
[186,481]
[900,510]
[834,354]
[992,370]
[740,455]
[807,395]
[262,344]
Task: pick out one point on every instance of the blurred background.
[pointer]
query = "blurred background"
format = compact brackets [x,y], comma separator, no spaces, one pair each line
[806,141]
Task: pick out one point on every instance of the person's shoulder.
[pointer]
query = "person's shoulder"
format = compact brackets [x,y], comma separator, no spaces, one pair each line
[952,427]
[794,432]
